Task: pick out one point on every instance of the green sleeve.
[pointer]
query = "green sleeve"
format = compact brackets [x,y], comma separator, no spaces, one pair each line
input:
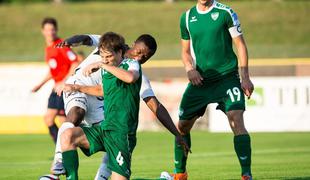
[184,32]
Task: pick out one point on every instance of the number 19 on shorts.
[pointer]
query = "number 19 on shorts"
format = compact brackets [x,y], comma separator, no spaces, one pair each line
[234,94]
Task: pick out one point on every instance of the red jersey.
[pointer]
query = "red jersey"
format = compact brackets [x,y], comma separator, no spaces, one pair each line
[59,60]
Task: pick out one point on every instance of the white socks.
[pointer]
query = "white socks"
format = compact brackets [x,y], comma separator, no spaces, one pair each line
[103,172]
[63,127]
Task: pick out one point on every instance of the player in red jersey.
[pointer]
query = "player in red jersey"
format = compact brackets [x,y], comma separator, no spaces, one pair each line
[61,62]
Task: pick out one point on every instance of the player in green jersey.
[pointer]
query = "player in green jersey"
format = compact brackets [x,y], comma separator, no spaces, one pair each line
[121,85]
[208,31]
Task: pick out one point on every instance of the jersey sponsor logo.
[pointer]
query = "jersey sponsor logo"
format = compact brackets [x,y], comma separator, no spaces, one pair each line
[193,19]
[215,15]
[52,63]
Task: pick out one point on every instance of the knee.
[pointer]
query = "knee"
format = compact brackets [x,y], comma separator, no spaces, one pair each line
[234,116]
[236,122]
[75,115]
[184,128]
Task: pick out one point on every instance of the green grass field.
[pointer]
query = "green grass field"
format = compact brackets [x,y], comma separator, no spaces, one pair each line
[272,28]
[275,156]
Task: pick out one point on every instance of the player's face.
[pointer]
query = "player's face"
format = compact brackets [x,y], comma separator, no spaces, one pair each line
[140,52]
[49,31]
[110,57]
[205,2]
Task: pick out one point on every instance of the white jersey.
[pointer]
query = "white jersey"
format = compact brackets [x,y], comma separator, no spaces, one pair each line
[91,104]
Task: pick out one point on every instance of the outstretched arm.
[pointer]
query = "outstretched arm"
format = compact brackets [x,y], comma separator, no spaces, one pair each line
[47,77]
[78,40]
[90,90]
[163,116]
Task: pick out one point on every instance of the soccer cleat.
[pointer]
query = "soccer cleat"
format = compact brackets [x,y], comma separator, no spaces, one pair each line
[180,176]
[246,177]
[58,168]
[49,177]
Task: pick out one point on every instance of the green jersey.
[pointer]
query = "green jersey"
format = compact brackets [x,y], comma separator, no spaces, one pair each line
[121,100]
[210,33]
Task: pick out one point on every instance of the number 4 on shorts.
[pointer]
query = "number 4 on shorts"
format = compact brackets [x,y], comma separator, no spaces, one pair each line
[234,92]
[120,159]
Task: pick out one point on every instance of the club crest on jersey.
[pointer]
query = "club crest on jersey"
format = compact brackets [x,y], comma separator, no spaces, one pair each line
[215,15]
[193,19]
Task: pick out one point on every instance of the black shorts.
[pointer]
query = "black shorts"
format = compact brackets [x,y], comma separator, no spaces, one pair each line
[56,102]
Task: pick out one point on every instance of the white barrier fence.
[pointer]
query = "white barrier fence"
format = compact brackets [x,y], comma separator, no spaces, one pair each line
[278,103]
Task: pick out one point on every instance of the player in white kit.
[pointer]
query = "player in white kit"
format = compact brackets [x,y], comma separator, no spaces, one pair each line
[84,102]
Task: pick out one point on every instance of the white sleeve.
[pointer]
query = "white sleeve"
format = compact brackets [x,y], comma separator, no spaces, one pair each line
[235,29]
[146,88]
[95,39]
[97,77]
[133,65]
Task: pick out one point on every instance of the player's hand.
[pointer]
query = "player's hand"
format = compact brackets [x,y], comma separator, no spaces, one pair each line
[58,88]
[70,88]
[247,87]
[62,44]
[194,77]
[180,141]
[88,70]
[36,89]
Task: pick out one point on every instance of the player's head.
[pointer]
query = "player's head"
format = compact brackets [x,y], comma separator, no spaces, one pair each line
[205,2]
[111,47]
[144,48]
[49,28]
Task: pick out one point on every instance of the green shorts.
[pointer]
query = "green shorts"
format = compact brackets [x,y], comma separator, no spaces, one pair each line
[118,146]
[226,92]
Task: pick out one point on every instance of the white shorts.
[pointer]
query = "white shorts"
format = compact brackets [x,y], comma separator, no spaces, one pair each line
[92,105]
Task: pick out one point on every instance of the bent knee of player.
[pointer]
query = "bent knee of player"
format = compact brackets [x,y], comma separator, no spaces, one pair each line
[75,115]
[184,127]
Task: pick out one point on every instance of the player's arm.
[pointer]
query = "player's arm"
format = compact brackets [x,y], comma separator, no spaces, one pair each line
[90,90]
[128,76]
[192,74]
[78,40]
[235,31]
[47,77]
[242,51]
[159,110]
[163,116]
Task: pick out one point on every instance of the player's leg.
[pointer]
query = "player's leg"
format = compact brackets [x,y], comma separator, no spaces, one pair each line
[70,140]
[242,140]
[192,106]
[75,111]
[116,144]
[104,172]
[49,120]
[74,117]
[234,106]
[116,176]
[53,107]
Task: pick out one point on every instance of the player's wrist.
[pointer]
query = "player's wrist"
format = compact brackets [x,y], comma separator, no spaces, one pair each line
[189,68]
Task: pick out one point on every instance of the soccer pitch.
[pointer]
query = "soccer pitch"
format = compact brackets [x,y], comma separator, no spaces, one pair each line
[275,156]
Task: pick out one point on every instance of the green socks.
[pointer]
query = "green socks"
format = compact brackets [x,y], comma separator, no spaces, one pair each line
[71,164]
[179,157]
[242,145]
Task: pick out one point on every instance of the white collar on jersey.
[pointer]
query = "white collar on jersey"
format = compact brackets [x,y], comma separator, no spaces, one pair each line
[205,12]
